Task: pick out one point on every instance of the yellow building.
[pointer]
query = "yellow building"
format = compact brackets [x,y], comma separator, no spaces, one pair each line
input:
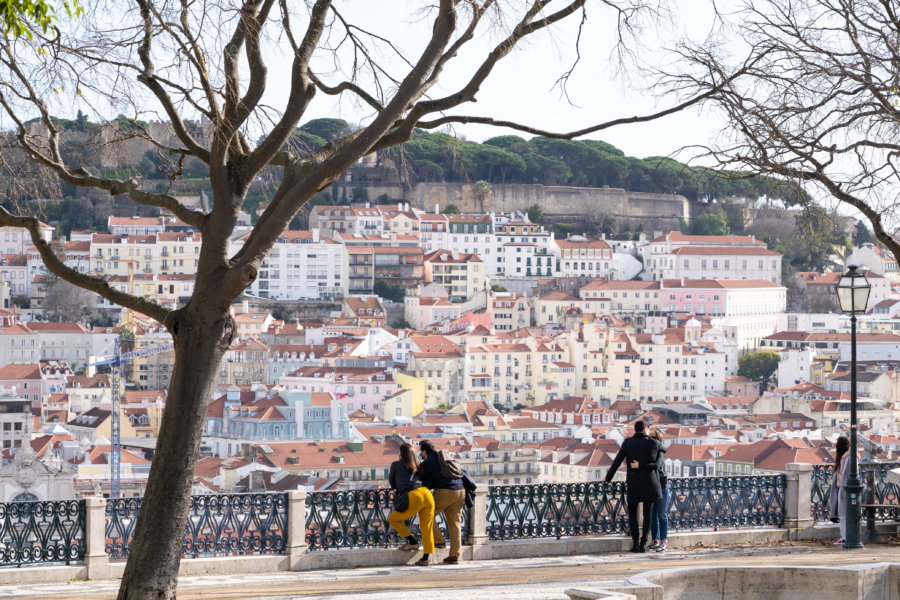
[416,385]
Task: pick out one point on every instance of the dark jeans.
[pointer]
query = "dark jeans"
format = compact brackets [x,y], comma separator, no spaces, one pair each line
[647,510]
[659,523]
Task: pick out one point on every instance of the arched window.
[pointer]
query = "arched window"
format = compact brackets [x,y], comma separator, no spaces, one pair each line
[25,497]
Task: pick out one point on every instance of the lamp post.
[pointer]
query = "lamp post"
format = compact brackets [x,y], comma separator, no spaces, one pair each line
[853,296]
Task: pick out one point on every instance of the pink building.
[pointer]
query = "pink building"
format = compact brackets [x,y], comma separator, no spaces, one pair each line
[355,388]
[35,381]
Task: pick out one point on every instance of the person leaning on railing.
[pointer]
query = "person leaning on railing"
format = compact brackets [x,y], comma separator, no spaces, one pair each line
[411,498]
[449,496]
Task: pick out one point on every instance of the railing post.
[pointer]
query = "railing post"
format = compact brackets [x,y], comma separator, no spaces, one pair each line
[296,529]
[797,494]
[95,557]
[478,518]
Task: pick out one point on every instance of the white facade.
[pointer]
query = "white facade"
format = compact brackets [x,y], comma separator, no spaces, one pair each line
[676,255]
[795,367]
[302,265]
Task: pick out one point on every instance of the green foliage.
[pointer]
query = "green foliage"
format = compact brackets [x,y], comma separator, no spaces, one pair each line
[759,366]
[17,16]
[22,301]
[402,323]
[326,129]
[389,291]
[498,288]
[711,224]
[451,209]
[563,229]
[587,163]
[535,213]
[862,235]
[360,194]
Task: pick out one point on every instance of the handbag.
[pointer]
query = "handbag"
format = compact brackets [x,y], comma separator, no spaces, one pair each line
[401,497]
[401,501]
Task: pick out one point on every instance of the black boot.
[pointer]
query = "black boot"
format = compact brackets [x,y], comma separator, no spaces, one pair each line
[635,546]
[643,546]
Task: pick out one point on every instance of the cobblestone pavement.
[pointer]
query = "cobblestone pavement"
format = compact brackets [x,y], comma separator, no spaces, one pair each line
[522,579]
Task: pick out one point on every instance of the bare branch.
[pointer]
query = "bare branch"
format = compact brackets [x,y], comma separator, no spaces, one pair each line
[95,284]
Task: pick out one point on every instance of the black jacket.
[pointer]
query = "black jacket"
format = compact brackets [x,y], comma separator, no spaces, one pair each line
[401,478]
[430,471]
[642,483]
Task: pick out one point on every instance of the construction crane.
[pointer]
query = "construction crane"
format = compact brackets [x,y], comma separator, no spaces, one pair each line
[117,362]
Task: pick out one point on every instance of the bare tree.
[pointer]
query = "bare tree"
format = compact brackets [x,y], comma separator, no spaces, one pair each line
[203,66]
[66,302]
[816,99]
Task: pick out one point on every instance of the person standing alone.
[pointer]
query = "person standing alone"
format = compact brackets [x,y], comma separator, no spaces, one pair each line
[449,496]
[641,481]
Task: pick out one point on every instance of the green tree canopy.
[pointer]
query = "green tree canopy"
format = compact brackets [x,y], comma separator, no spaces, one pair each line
[451,209]
[326,129]
[588,163]
[759,366]
[535,213]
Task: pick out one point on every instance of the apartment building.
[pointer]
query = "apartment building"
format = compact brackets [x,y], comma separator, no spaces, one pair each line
[676,255]
[16,240]
[509,311]
[579,256]
[136,225]
[679,365]
[302,265]
[356,388]
[14,271]
[462,275]
[749,307]
[16,422]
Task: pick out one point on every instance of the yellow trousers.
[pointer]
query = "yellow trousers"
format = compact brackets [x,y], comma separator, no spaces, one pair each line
[421,502]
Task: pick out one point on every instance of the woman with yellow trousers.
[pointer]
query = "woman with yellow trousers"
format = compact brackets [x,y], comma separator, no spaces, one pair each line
[405,482]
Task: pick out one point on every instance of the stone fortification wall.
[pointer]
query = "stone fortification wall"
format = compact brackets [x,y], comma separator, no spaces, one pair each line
[559,203]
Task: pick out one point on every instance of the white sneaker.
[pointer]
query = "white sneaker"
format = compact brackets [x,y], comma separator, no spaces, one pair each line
[662,547]
[408,546]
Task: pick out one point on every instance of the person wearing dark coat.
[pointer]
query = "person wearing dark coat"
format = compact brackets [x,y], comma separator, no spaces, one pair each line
[639,452]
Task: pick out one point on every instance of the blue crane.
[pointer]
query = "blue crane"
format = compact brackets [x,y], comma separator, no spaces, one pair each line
[118,363]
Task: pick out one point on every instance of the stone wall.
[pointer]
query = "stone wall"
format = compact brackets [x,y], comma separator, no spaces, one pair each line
[559,203]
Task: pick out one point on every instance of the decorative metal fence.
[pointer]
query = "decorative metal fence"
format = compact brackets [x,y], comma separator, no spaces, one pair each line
[554,510]
[358,519]
[883,493]
[739,501]
[42,532]
[217,525]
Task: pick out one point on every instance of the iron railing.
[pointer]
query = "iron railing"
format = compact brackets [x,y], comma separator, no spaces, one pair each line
[217,525]
[42,532]
[555,510]
[738,501]
[358,519]
[883,493]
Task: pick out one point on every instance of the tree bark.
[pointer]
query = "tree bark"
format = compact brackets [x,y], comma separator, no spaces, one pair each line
[202,335]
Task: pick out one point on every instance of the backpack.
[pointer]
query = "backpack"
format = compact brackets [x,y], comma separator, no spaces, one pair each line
[449,467]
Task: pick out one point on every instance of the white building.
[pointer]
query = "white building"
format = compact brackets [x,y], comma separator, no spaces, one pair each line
[581,256]
[302,265]
[676,255]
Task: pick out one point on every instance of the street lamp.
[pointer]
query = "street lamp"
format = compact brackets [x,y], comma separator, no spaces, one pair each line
[853,295]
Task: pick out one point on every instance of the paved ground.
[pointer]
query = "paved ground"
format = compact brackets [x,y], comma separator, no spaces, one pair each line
[520,579]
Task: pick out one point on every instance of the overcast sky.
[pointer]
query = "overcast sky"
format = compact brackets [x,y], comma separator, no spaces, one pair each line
[522,87]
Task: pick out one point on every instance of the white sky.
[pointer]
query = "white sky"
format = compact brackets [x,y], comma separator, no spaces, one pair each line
[522,89]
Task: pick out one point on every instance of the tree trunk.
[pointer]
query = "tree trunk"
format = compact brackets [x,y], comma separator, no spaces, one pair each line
[202,335]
